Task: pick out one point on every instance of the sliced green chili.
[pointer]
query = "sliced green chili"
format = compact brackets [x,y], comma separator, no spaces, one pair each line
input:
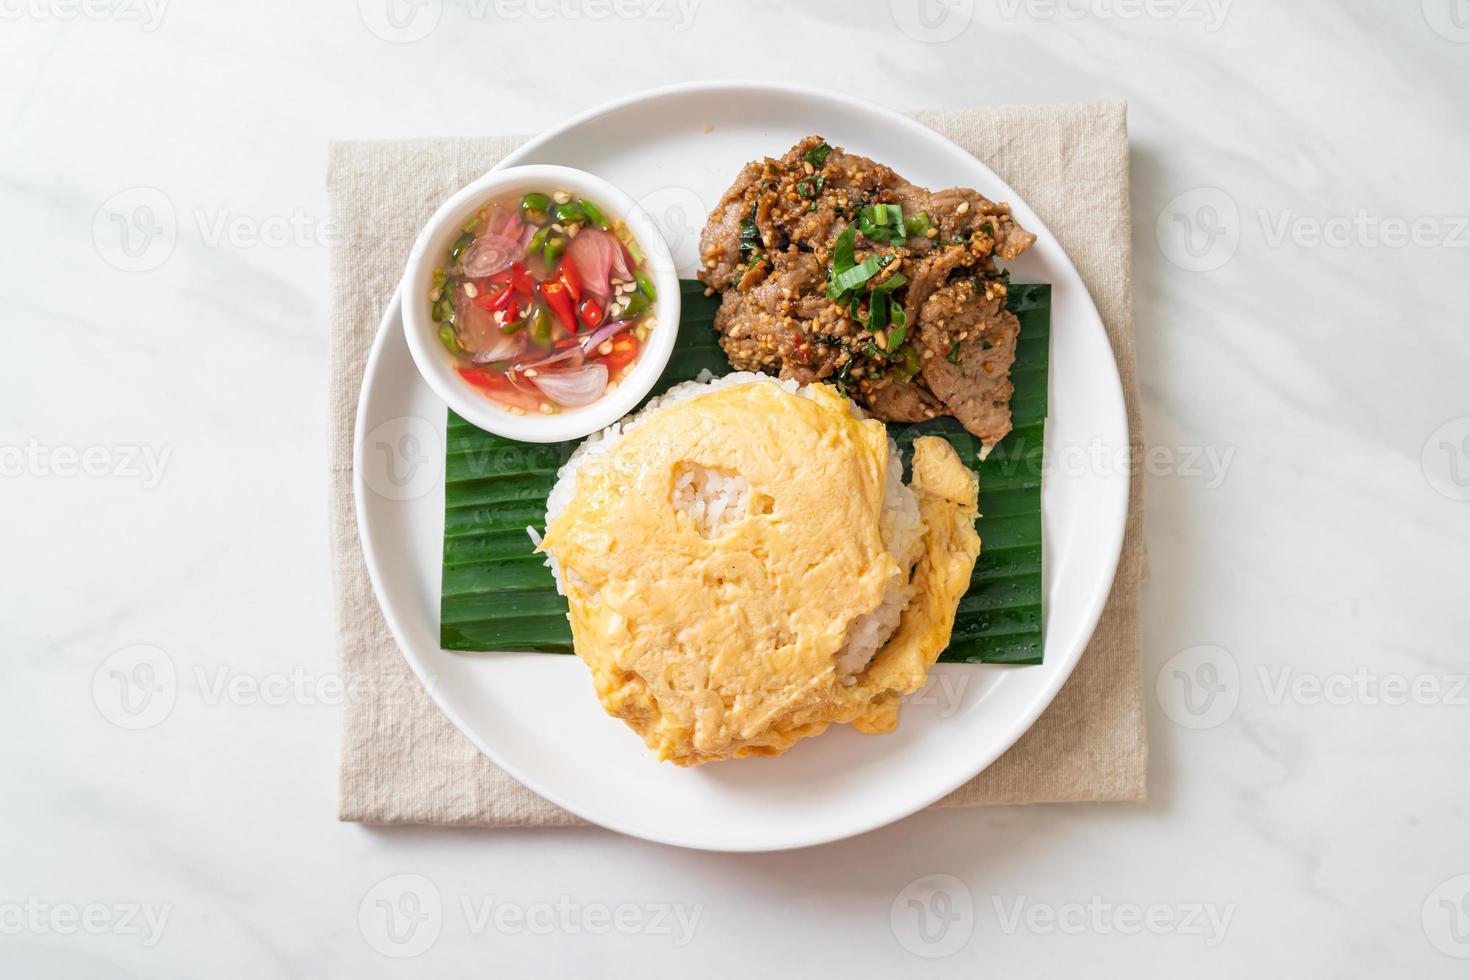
[541,327]
[645,284]
[570,213]
[594,214]
[534,207]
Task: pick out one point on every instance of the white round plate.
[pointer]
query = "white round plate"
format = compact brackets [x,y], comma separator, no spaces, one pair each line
[675,150]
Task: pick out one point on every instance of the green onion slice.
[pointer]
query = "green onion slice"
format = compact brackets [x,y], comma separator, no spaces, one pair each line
[860,273]
[917,225]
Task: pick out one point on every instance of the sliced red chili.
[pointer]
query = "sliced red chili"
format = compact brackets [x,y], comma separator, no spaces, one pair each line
[493,302]
[571,277]
[624,350]
[499,387]
[591,313]
[482,378]
[554,293]
[521,281]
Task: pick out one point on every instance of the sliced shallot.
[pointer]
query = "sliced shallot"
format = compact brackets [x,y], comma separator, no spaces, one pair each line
[492,253]
[599,256]
[580,386]
[574,353]
[480,335]
[605,332]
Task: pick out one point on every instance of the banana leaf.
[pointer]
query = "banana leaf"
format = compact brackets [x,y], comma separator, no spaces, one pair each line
[499,595]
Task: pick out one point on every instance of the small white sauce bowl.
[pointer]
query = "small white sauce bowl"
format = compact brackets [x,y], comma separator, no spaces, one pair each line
[437,365]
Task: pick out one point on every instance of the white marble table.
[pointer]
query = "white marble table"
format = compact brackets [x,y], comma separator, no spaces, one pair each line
[1302,265]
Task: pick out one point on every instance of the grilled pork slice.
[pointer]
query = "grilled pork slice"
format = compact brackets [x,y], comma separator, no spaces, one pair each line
[969,341]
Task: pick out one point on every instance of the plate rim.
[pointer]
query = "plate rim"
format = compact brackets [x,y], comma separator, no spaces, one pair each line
[1101,589]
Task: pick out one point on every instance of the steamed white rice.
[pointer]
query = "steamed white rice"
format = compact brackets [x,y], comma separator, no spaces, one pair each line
[715,500]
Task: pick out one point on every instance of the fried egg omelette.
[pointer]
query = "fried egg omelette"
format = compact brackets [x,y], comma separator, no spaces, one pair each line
[744,566]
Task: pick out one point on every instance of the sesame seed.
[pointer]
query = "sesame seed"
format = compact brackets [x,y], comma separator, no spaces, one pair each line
[932,233]
[964,206]
[470,290]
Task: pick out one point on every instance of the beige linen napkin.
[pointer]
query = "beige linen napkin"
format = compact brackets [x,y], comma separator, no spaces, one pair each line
[403,762]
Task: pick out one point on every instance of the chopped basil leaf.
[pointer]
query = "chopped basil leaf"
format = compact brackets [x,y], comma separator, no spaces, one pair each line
[750,235]
[810,187]
[817,155]
[844,376]
[954,353]
[842,251]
